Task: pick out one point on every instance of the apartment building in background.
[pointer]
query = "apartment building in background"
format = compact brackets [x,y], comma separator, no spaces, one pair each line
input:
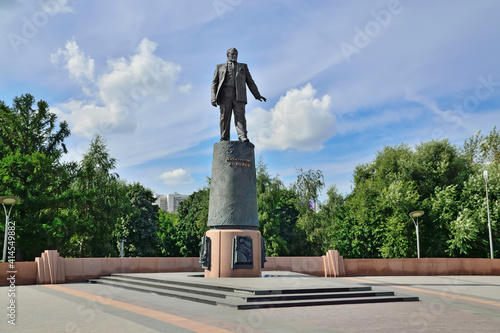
[170,202]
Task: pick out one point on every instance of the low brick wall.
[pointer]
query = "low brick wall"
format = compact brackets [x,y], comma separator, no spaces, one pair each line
[305,265]
[82,269]
[24,272]
[51,268]
[422,266]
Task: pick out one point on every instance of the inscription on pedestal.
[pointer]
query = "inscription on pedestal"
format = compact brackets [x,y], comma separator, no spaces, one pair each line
[239,162]
[242,252]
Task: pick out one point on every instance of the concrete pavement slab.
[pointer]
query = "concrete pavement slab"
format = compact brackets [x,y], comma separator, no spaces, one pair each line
[448,304]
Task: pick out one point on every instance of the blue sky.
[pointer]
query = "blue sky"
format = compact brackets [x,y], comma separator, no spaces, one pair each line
[342,79]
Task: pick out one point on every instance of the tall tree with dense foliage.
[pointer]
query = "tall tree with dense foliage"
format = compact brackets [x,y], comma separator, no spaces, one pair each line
[467,214]
[277,212]
[138,226]
[31,145]
[362,224]
[308,187]
[399,180]
[334,218]
[100,199]
[192,225]
[309,236]
[479,150]
[166,234]
[439,166]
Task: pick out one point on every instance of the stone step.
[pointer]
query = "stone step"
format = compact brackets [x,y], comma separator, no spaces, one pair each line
[170,293]
[332,301]
[309,296]
[240,289]
[151,283]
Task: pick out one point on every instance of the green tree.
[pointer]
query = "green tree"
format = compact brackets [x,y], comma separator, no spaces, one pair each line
[466,209]
[139,226]
[437,163]
[333,214]
[390,164]
[308,187]
[330,217]
[192,225]
[398,181]
[309,233]
[363,222]
[469,235]
[31,145]
[277,212]
[479,150]
[100,202]
[398,199]
[167,235]
[365,218]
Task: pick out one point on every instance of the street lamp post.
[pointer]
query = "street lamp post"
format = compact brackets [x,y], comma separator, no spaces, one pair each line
[9,201]
[417,214]
[121,247]
[485,174]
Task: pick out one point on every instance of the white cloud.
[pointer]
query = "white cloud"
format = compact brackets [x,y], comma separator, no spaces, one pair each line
[127,88]
[299,120]
[53,7]
[185,88]
[176,177]
[143,75]
[79,66]
[88,119]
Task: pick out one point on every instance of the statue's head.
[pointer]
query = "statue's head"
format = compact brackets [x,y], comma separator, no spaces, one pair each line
[232,54]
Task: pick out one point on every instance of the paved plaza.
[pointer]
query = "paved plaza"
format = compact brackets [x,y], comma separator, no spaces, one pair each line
[447,304]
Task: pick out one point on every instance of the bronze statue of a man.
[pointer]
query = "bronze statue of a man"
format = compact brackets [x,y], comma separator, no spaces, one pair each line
[230,93]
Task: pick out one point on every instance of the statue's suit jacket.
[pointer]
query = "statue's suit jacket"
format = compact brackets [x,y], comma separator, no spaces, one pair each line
[242,79]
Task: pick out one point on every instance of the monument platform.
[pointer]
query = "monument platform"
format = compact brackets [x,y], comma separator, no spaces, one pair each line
[272,290]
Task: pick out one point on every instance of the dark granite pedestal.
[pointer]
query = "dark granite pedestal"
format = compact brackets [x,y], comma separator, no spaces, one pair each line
[232,247]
